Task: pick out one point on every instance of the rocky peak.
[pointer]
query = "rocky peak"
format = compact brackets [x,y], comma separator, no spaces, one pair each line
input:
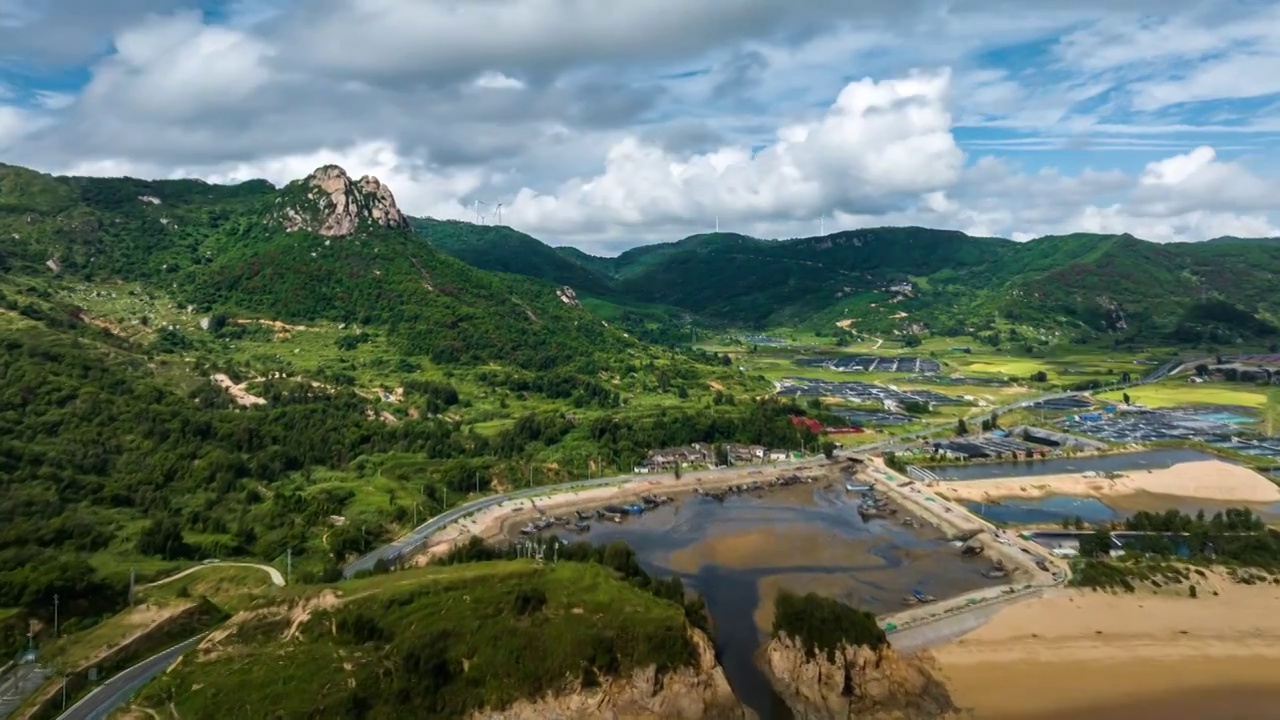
[328,202]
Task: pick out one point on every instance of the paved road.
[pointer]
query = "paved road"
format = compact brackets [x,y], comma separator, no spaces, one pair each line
[117,690]
[21,681]
[419,535]
[276,577]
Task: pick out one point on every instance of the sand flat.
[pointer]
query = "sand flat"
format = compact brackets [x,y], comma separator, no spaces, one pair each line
[1203,479]
[1082,652]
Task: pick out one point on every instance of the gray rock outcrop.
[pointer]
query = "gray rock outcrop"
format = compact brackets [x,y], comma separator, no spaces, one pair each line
[856,682]
[328,202]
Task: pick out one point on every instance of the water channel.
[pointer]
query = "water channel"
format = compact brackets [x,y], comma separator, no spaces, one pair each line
[808,538]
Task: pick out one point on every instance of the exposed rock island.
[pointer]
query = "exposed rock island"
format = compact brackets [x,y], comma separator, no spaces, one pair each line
[830,661]
[856,681]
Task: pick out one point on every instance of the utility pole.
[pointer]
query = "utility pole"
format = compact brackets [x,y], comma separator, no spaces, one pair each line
[55,615]
[133,577]
[288,565]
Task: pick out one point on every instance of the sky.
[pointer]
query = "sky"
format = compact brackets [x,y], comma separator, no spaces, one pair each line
[606,125]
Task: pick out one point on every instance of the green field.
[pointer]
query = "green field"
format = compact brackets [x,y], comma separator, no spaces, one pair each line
[1175,393]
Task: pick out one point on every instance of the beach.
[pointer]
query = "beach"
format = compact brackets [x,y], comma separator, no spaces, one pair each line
[1204,480]
[1080,653]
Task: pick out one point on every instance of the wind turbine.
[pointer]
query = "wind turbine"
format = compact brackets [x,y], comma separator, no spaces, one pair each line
[479,216]
[499,209]
[822,224]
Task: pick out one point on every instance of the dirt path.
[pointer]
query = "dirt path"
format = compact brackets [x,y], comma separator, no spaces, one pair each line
[277,578]
[237,392]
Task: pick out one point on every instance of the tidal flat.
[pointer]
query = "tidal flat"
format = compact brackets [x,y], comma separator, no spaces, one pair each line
[740,552]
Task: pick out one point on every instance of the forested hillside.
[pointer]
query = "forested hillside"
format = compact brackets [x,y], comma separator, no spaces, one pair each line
[1111,288]
[194,371]
[501,249]
[226,249]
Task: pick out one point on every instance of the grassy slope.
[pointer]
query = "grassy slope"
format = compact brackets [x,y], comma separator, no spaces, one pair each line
[448,641]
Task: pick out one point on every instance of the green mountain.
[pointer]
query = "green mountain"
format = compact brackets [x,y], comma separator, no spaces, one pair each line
[325,248]
[912,280]
[501,249]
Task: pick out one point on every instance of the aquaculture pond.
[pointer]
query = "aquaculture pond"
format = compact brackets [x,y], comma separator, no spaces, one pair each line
[1120,462]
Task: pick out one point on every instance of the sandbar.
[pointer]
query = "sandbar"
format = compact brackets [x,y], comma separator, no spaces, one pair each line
[1202,479]
[1082,653]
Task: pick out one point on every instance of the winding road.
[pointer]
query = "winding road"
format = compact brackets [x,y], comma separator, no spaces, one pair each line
[277,578]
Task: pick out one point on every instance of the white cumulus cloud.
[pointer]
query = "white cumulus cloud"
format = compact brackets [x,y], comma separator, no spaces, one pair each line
[880,144]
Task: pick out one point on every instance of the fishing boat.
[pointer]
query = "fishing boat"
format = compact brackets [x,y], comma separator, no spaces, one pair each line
[871,513]
[858,488]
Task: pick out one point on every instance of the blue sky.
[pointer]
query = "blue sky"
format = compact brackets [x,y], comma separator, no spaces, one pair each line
[607,125]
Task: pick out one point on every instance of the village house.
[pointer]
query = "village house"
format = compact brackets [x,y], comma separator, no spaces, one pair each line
[669,459]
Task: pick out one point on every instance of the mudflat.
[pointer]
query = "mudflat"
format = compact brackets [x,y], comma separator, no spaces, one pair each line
[776,546]
[1203,479]
[1081,653]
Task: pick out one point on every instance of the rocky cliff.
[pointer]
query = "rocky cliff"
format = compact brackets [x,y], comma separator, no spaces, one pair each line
[856,682]
[328,202]
[699,692]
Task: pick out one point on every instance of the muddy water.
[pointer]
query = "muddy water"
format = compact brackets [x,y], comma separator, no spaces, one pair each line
[740,553]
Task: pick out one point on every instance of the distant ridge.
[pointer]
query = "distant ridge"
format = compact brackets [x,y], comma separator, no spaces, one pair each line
[1083,284]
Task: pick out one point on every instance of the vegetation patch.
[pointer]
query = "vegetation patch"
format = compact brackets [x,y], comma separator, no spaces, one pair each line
[824,625]
[1235,538]
[444,643]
